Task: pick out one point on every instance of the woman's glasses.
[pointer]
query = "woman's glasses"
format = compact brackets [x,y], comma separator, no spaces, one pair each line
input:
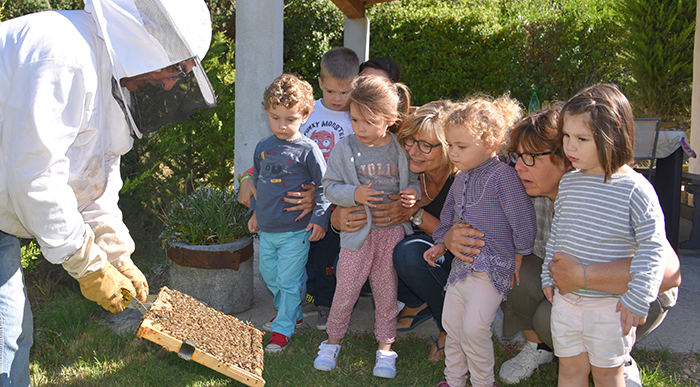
[528,158]
[423,146]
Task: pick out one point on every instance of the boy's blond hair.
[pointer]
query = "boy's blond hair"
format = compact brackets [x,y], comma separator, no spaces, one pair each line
[289,91]
[488,120]
[340,63]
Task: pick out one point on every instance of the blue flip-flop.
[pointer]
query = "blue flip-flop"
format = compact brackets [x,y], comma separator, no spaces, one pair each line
[422,316]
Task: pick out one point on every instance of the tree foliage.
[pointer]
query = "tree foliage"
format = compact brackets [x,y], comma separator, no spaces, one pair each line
[658,51]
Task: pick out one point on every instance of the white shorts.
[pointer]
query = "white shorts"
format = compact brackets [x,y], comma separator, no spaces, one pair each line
[584,324]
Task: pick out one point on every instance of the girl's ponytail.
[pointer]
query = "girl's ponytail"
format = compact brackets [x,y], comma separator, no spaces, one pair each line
[403,107]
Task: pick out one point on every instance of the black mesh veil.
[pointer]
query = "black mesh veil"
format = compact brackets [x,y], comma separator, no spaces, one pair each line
[149,107]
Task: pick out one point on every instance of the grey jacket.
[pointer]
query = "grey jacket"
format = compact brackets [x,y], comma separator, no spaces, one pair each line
[341,180]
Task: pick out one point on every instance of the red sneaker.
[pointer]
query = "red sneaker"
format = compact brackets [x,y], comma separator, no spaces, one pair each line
[277,343]
[268,325]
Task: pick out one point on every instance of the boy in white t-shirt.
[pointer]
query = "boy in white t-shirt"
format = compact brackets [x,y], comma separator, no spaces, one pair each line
[329,122]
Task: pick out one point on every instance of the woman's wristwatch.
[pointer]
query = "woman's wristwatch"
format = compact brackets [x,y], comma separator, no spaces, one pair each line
[417,220]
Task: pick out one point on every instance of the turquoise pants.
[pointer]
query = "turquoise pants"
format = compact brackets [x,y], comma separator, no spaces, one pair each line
[282,262]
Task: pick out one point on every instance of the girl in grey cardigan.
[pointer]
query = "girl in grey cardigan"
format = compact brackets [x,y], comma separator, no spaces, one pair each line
[365,168]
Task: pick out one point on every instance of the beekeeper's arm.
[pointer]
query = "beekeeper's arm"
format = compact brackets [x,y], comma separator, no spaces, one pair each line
[111,234]
[45,108]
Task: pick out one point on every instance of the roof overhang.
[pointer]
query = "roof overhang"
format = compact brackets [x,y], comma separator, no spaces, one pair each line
[355,9]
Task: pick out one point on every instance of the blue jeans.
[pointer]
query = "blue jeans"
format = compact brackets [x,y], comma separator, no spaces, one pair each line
[16,321]
[418,281]
[282,262]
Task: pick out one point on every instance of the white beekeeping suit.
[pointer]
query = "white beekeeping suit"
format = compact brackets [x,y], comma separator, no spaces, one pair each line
[65,122]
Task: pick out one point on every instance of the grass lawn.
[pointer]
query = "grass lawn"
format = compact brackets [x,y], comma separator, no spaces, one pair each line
[74,347]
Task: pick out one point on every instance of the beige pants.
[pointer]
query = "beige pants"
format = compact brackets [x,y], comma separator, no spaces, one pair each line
[470,308]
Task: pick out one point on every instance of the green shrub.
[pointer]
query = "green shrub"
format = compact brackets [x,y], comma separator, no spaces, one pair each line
[207,216]
[449,49]
[310,29]
[658,52]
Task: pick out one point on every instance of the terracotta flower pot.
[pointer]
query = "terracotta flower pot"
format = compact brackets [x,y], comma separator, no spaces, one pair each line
[220,276]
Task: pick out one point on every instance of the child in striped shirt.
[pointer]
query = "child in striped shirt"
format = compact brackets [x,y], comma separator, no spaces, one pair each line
[604,211]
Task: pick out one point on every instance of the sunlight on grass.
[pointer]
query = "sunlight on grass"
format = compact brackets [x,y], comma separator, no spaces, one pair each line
[93,369]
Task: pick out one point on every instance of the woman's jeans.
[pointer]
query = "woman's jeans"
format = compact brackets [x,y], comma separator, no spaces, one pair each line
[16,323]
[418,281]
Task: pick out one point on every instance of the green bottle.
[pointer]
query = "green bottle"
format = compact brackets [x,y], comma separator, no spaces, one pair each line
[534,103]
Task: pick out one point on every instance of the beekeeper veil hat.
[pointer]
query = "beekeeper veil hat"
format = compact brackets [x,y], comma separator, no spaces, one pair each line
[143,36]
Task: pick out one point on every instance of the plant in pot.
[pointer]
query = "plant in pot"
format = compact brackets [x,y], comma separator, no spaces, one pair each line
[209,246]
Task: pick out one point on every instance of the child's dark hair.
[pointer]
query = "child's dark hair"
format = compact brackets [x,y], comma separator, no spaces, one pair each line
[340,63]
[378,98]
[487,119]
[611,121]
[385,64]
[539,132]
[289,91]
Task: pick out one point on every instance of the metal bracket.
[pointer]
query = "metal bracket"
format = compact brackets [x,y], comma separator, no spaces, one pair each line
[186,350]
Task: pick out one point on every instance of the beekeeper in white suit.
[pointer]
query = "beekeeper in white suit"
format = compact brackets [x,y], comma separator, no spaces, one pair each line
[75,88]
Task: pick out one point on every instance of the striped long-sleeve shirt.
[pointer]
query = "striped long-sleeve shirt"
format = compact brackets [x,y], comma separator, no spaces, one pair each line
[597,221]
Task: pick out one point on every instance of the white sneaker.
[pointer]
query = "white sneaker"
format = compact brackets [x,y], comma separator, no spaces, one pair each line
[385,367]
[525,363]
[327,356]
[632,377]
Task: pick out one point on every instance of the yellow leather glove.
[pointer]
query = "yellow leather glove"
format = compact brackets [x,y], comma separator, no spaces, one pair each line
[104,287]
[138,280]
[113,238]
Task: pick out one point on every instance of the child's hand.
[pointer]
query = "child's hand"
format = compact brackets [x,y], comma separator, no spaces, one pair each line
[318,232]
[434,253]
[516,273]
[549,293]
[408,197]
[628,319]
[253,223]
[365,194]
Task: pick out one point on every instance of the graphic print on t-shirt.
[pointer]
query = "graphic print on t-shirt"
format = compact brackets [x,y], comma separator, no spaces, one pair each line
[273,167]
[382,176]
[325,141]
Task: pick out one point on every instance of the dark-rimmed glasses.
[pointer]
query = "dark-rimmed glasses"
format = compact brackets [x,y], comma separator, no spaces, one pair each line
[180,74]
[528,158]
[423,146]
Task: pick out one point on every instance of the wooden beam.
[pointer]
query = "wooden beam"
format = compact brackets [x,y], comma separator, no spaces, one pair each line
[355,9]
